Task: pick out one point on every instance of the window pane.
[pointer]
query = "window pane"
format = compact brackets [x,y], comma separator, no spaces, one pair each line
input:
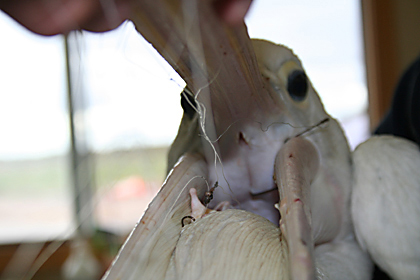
[34,190]
[131,114]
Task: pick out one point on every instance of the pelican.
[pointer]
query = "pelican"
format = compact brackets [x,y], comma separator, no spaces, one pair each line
[262,183]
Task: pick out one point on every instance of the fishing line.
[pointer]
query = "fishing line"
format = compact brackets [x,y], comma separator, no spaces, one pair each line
[310,128]
[201,111]
[190,11]
[217,158]
[53,247]
[261,126]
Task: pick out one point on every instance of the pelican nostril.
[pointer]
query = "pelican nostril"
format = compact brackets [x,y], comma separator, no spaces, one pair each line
[242,139]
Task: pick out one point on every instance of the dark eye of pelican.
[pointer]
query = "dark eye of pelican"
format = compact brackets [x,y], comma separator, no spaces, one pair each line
[297,85]
[187,103]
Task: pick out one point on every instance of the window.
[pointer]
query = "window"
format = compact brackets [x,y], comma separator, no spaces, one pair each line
[34,136]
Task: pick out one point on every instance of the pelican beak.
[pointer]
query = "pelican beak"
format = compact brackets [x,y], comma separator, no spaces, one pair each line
[220,68]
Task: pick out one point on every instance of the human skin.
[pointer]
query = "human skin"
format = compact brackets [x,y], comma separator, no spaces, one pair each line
[51,17]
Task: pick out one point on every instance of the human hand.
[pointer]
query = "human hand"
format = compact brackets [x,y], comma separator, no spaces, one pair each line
[50,17]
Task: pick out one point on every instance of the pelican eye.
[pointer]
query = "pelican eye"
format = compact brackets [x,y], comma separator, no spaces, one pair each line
[297,85]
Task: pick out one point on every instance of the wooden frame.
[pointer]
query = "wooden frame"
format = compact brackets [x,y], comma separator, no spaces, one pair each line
[380,55]
[392,42]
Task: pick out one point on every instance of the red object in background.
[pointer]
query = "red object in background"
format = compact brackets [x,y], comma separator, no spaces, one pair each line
[131,187]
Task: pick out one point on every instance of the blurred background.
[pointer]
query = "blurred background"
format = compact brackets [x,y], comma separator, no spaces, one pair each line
[86,121]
